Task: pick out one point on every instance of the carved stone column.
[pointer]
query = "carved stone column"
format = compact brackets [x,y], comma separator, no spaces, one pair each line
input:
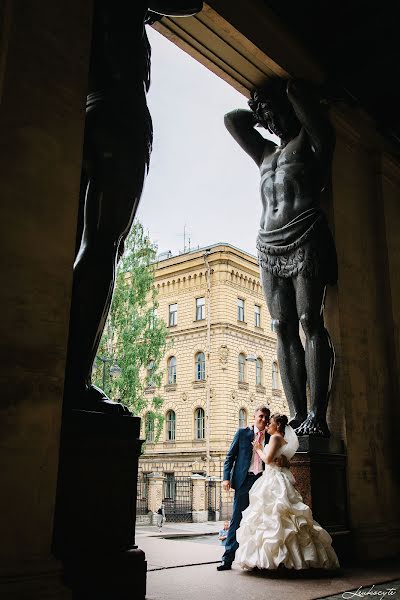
[199,501]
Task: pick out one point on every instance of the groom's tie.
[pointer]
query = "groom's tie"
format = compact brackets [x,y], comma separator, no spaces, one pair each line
[257,459]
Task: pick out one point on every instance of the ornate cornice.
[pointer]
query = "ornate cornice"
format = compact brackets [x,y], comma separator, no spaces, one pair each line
[226,328]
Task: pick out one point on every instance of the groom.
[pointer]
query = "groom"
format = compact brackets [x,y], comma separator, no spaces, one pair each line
[242,468]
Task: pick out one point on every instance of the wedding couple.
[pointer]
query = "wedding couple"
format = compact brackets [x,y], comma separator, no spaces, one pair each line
[270,526]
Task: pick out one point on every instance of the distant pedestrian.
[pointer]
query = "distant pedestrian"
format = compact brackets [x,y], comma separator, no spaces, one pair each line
[160,517]
[223,534]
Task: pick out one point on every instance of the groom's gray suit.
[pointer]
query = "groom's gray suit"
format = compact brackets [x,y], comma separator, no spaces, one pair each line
[236,469]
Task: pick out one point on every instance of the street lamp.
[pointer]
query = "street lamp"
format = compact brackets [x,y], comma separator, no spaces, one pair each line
[115,370]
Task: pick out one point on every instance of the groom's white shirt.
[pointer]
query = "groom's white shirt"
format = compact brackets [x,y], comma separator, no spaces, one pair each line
[252,468]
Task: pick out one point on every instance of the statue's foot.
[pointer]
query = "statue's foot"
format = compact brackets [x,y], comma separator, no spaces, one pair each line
[297,420]
[314,425]
[95,400]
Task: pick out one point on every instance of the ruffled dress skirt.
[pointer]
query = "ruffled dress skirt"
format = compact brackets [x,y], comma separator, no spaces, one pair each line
[277,528]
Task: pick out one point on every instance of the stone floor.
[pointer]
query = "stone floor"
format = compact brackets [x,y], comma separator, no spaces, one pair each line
[182,561]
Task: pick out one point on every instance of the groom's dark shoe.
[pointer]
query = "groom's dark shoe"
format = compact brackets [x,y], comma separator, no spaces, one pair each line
[224,566]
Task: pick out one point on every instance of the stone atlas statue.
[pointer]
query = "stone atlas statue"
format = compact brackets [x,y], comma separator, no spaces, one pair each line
[296,250]
[117,147]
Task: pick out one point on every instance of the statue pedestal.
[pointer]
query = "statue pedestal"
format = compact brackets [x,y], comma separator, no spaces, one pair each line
[94,534]
[319,468]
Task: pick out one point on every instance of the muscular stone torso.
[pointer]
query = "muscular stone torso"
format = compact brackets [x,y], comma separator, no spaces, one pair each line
[290,182]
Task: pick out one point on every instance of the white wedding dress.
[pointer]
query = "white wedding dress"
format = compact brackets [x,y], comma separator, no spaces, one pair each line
[277,528]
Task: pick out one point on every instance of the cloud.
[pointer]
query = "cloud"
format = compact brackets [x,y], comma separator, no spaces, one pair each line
[199,177]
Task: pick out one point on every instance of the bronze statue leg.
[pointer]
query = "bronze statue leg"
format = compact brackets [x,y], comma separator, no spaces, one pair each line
[281,300]
[116,171]
[320,356]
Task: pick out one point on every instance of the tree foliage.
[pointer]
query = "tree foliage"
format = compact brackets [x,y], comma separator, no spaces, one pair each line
[134,337]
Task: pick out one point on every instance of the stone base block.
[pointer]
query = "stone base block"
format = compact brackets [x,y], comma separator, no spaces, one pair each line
[94,533]
[343,544]
[108,577]
[319,468]
[200,516]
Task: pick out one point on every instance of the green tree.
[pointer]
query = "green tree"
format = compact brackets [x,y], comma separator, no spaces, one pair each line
[134,338]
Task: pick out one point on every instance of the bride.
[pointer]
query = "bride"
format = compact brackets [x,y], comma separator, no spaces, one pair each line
[277,528]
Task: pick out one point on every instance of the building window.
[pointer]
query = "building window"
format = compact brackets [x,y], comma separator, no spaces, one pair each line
[171,426]
[242,368]
[242,418]
[259,371]
[153,318]
[169,486]
[200,366]
[275,376]
[151,374]
[172,370]
[173,315]
[149,424]
[240,309]
[199,423]
[257,315]
[200,309]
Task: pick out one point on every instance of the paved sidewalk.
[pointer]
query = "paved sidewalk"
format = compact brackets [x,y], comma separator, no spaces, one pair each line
[180,544]
[182,562]
[180,529]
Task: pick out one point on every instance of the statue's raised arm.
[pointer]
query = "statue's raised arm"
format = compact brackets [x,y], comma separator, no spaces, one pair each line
[312,116]
[240,123]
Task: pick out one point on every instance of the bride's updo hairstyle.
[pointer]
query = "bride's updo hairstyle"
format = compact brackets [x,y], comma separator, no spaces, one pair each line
[281,422]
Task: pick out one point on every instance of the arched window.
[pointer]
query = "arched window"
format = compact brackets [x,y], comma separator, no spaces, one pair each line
[259,371]
[242,368]
[151,374]
[149,424]
[275,376]
[172,370]
[171,426]
[242,418]
[200,366]
[199,423]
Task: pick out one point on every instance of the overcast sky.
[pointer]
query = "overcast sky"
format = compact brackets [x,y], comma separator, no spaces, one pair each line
[199,176]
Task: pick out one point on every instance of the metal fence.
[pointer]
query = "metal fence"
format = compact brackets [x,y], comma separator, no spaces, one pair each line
[227,506]
[212,500]
[226,511]
[142,496]
[178,506]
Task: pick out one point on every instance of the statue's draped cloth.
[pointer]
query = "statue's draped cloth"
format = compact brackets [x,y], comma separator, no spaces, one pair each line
[304,246]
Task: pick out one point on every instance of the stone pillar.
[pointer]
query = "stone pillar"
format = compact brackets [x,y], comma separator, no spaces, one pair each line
[199,500]
[156,493]
[366,378]
[43,83]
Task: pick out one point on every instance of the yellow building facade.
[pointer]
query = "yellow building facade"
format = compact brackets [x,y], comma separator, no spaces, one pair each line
[221,362]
